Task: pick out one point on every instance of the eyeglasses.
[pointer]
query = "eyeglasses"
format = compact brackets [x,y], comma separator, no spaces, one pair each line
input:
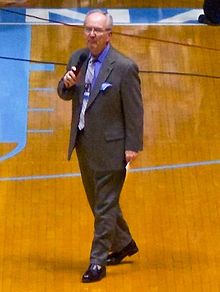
[96,30]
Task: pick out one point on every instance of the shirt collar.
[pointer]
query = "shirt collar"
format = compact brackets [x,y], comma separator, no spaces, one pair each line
[103,54]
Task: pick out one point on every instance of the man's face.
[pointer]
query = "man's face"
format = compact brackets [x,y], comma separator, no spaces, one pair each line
[96,33]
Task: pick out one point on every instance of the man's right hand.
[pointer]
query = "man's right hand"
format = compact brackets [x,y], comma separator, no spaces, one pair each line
[69,78]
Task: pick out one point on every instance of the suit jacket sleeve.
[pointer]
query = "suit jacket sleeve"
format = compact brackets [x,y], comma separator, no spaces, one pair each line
[132,107]
[63,92]
[68,93]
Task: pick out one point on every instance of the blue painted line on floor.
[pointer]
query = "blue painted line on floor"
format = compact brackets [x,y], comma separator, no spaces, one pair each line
[49,131]
[36,177]
[46,89]
[132,170]
[175,166]
[41,110]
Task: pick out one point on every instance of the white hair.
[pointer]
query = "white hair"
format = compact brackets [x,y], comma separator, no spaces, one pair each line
[109,19]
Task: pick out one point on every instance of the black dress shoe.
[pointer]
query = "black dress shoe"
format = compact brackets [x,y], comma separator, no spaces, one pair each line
[94,273]
[116,257]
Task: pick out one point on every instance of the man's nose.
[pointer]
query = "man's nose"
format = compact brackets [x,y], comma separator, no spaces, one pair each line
[92,32]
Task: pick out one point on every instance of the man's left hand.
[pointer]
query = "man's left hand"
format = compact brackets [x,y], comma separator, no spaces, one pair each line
[130,155]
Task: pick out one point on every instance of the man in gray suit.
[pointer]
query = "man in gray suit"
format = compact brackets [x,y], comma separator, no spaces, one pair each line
[107,132]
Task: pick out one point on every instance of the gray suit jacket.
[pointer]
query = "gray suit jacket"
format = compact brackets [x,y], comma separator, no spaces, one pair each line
[114,115]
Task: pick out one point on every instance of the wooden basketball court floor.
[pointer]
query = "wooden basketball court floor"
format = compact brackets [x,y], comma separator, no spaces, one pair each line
[171,195]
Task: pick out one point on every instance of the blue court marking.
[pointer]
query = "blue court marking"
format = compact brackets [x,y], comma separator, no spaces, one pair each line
[46,89]
[14,42]
[41,67]
[41,110]
[175,166]
[132,170]
[34,177]
[44,131]
[134,16]
[7,17]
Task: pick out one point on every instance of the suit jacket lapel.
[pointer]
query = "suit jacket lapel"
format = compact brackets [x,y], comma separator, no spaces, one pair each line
[105,70]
